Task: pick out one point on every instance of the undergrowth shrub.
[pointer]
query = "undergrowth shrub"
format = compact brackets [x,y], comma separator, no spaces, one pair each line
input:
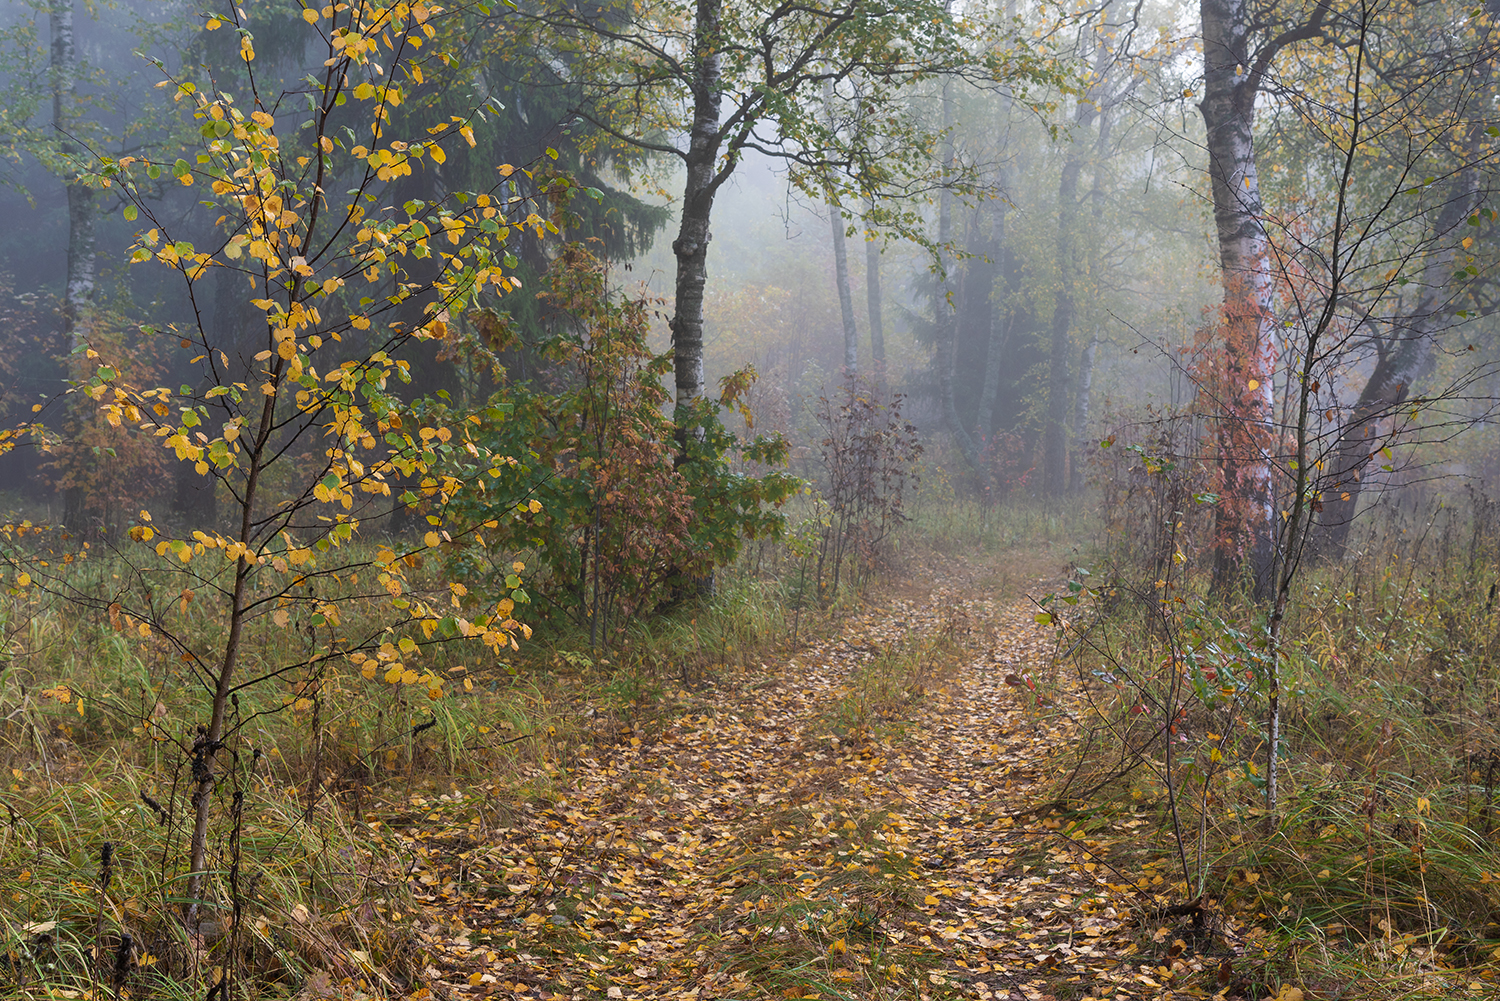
[869,453]
[1154,493]
[630,508]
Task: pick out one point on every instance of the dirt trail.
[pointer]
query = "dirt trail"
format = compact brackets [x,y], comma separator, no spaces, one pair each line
[840,824]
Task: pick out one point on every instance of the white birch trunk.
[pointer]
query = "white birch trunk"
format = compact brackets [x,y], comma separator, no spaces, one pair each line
[1245,400]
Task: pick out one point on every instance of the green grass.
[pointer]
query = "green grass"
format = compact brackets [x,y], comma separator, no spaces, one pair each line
[97,718]
[1379,871]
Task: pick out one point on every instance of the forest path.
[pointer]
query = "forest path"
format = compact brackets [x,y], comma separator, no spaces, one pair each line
[845,823]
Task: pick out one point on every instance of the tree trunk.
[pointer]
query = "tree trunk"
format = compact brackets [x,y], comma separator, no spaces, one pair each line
[1242,383]
[1082,401]
[873,306]
[1001,312]
[210,739]
[1001,320]
[846,300]
[1081,409]
[78,292]
[1055,429]
[1408,356]
[837,224]
[945,320]
[691,245]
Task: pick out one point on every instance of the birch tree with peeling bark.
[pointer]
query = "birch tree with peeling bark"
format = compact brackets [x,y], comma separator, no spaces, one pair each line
[1385,252]
[1239,47]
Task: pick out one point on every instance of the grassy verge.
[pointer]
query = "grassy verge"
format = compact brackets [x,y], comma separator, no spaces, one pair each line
[1379,873]
[308,882]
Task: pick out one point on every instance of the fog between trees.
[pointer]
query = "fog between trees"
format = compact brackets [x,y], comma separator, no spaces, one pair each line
[1043,225]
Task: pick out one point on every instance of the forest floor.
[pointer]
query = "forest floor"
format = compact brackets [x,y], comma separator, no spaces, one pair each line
[860,818]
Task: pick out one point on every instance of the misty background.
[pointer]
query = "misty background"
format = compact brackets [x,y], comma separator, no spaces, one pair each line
[1078,263]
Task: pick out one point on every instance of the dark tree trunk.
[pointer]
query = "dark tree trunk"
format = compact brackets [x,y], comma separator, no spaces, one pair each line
[1055,429]
[873,306]
[1083,400]
[1081,404]
[78,292]
[691,245]
[846,300]
[1406,357]
[945,320]
[1001,311]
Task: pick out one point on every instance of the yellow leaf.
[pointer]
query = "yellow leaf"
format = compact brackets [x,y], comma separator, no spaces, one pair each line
[281,617]
[23,580]
[931,901]
[1253,385]
[287,349]
[394,674]
[432,539]
[309,15]
[438,156]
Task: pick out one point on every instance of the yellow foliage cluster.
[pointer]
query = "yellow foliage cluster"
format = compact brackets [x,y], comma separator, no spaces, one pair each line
[276,220]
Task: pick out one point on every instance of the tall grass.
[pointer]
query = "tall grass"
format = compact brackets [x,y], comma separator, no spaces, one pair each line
[97,722]
[1381,862]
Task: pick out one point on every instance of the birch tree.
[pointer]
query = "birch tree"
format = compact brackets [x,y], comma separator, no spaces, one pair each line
[1240,45]
[1375,249]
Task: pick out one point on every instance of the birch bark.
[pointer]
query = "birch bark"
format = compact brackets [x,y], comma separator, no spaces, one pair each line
[1241,389]
[78,291]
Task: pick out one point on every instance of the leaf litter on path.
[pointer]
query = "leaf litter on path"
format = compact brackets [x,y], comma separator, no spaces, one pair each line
[847,823]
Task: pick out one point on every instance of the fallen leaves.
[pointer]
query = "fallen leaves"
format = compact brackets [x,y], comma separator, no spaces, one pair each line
[851,820]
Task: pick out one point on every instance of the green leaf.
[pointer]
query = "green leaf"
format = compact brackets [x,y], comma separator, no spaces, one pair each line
[131,213]
[1044,618]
